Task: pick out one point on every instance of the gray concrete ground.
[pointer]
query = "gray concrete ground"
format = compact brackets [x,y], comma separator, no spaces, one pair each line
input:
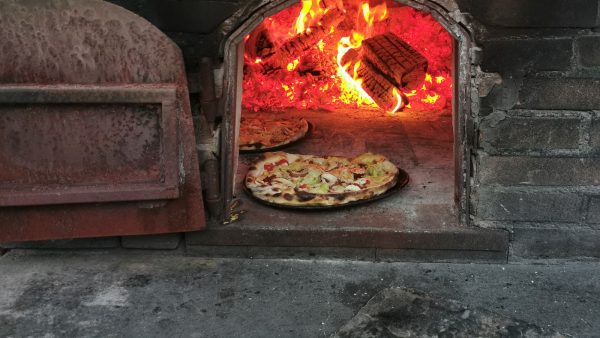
[120,293]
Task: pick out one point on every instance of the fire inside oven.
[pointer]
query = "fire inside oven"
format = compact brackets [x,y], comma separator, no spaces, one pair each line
[368,76]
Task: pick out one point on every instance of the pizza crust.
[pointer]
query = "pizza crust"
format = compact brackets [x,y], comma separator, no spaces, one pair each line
[286,192]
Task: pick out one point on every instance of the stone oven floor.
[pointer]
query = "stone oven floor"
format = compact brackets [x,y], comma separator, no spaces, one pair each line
[421,216]
[423,148]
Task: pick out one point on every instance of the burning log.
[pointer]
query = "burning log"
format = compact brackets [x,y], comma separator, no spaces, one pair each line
[259,43]
[387,96]
[294,47]
[393,58]
[396,59]
[386,64]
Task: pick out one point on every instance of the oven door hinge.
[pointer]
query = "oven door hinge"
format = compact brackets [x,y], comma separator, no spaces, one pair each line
[209,145]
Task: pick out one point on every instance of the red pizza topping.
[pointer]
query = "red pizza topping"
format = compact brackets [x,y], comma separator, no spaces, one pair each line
[269,166]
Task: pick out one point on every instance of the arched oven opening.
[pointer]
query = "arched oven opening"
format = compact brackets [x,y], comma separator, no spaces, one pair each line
[388,77]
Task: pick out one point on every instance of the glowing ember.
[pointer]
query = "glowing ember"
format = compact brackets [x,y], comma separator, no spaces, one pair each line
[292,65]
[431,99]
[315,76]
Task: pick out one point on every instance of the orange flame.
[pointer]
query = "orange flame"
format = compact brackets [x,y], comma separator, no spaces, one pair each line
[352,84]
[336,80]
[398,101]
[292,65]
[378,13]
[301,21]
[311,12]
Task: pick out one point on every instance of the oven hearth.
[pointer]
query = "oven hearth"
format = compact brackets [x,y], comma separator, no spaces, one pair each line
[421,147]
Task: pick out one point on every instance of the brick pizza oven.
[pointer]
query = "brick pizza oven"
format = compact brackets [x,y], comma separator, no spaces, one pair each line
[102,106]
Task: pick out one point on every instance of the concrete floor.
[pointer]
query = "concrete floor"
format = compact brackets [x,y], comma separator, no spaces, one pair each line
[121,293]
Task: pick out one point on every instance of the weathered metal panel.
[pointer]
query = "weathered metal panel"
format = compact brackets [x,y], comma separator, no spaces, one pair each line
[96,134]
[87,144]
[83,42]
[32,223]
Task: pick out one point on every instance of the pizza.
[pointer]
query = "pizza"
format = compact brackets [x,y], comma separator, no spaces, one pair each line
[267,132]
[306,180]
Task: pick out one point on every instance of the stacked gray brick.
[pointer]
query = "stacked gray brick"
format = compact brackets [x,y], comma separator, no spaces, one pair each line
[537,169]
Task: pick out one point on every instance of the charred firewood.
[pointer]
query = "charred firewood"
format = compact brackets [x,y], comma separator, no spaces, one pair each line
[259,43]
[294,47]
[393,58]
[380,89]
[332,4]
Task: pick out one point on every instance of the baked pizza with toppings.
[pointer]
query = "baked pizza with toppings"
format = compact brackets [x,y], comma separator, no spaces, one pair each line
[305,180]
[267,132]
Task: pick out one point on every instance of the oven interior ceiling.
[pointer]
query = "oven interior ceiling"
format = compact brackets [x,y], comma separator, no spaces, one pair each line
[326,63]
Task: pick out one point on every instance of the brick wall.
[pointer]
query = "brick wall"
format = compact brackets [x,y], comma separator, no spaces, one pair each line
[538,164]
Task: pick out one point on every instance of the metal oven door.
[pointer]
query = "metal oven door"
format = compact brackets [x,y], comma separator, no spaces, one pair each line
[96,160]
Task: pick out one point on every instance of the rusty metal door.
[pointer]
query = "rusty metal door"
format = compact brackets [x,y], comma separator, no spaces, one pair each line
[96,134]
[83,161]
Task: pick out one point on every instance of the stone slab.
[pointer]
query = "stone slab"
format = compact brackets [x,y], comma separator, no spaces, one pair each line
[527,55]
[555,243]
[262,252]
[530,134]
[539,171]
[152,242]
[521,204]
[593,212]
[560,93]
[442,256]
[79,243]
[356,254]
[594,137]
[319,236]
[589,51]
[400,312]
